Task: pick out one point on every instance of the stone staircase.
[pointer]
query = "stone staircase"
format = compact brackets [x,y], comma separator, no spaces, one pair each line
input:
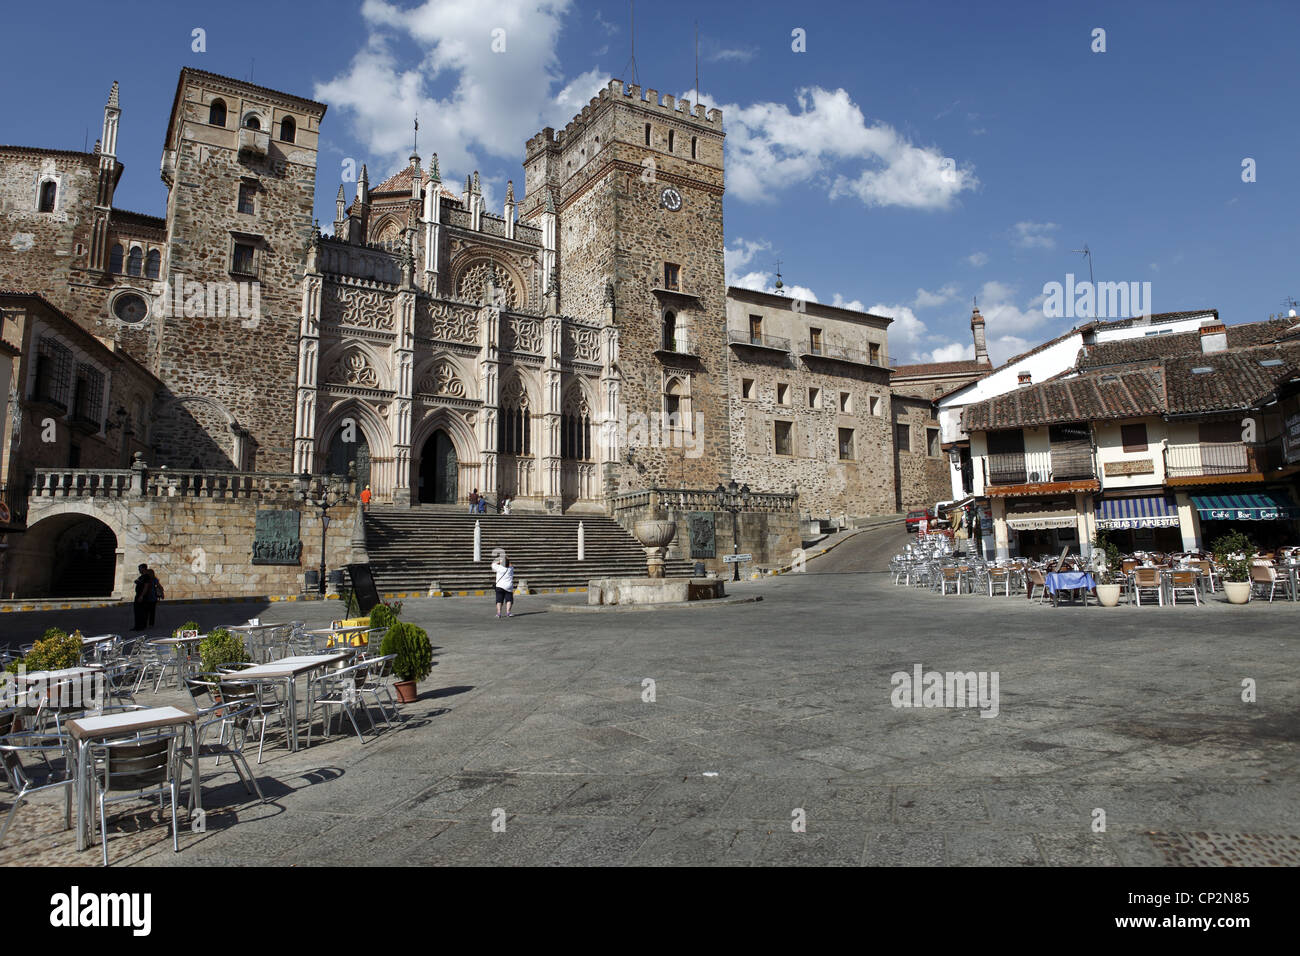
[408,549]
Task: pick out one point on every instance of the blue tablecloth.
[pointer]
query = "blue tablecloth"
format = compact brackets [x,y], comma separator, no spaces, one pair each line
[1069,580]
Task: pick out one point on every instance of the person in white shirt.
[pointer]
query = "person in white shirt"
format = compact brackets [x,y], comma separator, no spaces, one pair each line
[505,586]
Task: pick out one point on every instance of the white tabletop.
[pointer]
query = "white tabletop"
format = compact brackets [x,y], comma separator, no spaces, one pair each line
[97,639]
[252,627]
[350,629]
[128,722]
[66,673]
[179,640]
[285,667]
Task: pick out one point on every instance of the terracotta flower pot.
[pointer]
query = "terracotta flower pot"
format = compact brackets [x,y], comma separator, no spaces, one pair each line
[405,691]
[1238,591]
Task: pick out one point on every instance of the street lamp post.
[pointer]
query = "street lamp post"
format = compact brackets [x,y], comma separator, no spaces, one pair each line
[323,495]
[733,499]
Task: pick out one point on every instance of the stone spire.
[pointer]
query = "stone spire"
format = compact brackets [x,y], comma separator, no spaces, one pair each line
[510,192]
[340,204]
[434,175]
[476,189]
[112,97]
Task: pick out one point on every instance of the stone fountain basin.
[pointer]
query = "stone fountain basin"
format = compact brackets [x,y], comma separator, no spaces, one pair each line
[654,590]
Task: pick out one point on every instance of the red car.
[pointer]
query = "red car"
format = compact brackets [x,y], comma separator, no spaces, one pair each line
[914,518]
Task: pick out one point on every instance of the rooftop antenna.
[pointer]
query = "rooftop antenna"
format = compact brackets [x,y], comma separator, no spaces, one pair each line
[697,61]
[632,36]
[1087,253]
[252,64]
[1290,304]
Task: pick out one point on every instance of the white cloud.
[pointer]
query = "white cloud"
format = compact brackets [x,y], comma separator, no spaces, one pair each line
[978,259]
[576,95]
[1034,235]
[740,256]
[907,333]
[770,147]
[841,303]
[955,352]
[473,102]
[926,299]
[737,55]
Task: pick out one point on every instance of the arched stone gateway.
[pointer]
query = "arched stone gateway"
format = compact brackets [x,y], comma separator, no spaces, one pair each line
[67,554]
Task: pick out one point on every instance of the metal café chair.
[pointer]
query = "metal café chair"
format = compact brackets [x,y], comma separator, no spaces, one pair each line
[1263,575]
[337,690]
[229,717]
[136,768]
[26,776]
[1184,581]
[1147,579]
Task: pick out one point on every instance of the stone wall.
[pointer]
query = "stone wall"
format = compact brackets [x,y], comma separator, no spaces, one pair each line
[38,250]
[200,547]
[922,478]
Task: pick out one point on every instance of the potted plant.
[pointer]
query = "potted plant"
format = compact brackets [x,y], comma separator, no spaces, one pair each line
[220,649]
[413,657]
[55,651]
[1232,554]
[1107,570]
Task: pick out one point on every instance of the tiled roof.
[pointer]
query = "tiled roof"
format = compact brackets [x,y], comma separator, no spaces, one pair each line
[1132,393]
[1235,380]
[1154,347]
[401,183]
[942,368]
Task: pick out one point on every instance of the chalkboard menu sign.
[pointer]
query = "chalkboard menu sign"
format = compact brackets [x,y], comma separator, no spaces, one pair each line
[363,586]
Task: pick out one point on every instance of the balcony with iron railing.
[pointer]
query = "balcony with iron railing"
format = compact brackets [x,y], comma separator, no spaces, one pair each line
[1039,467]
[842,353]
[1207,459]
[757,340]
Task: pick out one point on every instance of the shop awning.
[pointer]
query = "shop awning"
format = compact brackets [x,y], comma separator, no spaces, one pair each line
[1152,511]
[1034,520]
[1262,506]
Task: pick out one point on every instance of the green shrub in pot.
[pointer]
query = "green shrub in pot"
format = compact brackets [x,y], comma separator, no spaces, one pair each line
[1232,554]
[220,649]
[413,658]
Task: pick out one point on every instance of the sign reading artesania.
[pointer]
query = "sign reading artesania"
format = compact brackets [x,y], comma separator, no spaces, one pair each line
[76,909]
[734,558]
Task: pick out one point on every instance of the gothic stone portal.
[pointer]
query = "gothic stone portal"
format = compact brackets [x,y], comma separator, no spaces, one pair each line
[438,470]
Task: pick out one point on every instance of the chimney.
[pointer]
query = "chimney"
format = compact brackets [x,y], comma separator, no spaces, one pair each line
[1214,338]
[977,331]
[1025,378]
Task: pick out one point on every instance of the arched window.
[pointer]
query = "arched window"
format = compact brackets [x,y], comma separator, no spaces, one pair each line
[48,192]
[575,428]
[115,258]
[287,129]
[673,403]
[670,332]
[134,261]
[217,113]
[513,429]
[252,122]
[152,264]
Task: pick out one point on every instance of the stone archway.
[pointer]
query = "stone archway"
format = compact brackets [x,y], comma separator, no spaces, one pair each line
[70,554]
[439,470]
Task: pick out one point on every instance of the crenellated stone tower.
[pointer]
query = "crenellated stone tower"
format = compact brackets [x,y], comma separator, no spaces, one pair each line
[628,198]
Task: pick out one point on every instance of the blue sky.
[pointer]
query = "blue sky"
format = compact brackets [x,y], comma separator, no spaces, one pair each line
[835,155]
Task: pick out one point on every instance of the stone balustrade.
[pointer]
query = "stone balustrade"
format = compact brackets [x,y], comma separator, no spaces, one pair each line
[140,481]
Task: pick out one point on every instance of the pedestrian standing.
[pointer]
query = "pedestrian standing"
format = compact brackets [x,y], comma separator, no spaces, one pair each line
[505,586]
[148,592]
[473,501]
[505,505]
[365,499]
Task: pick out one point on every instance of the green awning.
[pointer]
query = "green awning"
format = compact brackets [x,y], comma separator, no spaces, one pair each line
[1260,506]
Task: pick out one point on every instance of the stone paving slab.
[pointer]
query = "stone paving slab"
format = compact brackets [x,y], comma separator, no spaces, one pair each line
[1135,712]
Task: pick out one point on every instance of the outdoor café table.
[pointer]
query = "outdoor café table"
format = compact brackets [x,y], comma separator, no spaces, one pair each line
[87,730]
[288,669]
[1069,581]
[179,642]
[1167,580]
[344,632]
[47,680]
